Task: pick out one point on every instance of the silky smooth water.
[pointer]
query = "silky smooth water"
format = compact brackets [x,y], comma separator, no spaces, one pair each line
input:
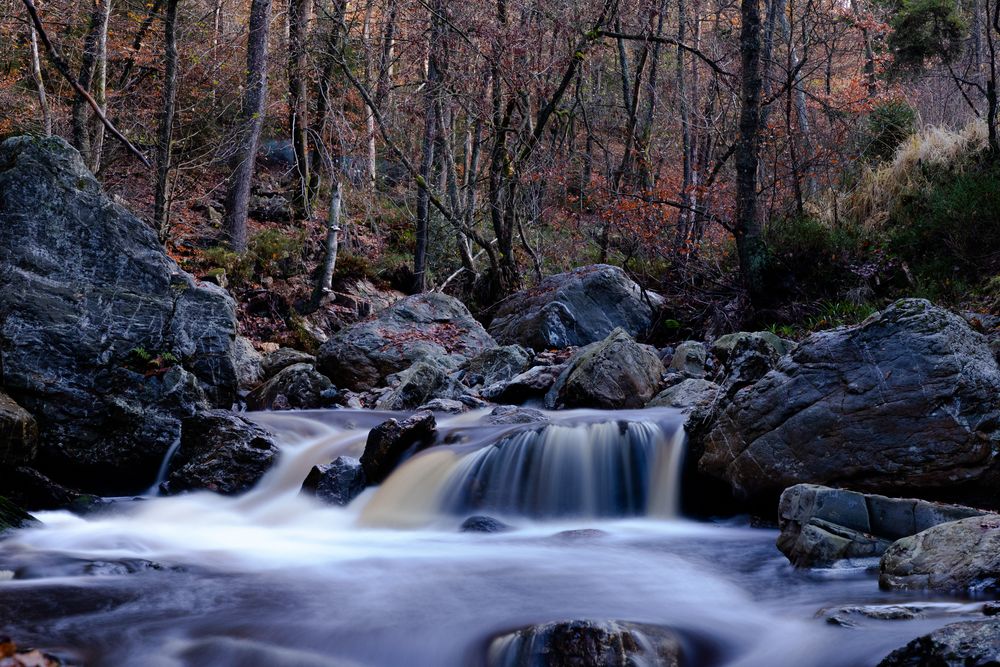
[275,578]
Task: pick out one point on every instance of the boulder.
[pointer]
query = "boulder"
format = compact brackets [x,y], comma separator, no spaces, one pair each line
[102,337]
[431,326]
[448,406]
[249,364]
[337,483]
[820,525]
[964,644]
[533,383]
[749,359]
[420,383]
[221,452]
[957,556]
[575,308]
[693,395]
[509,414]
[498,364]
[18,432]
[614,373]
[391,441]
[275,362]
[689,358]
[905,400]
[587,644]
[13,517]
[296,387]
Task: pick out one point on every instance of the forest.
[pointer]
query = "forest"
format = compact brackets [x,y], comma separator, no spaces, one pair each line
[759,162]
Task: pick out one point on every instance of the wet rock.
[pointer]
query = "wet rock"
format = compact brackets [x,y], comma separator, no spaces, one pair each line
[445,405]
[29,488]
[389,442]
[691,396]
[296,387]
[820,525]
[13,517]
[13,656]
[575,308]
[337,483]
[249,364]
[906,399]
[18,432]
[275,362]
[848,617]
[534,383]
[419,384]
[103,338]
[221,452]
[965,644]
[498,364]
[957,556]
[432,327]
[510,414]
[587,644]
[689,358]
[613,374]
[483,524]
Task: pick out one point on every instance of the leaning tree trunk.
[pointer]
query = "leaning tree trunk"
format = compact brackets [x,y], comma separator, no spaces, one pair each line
[161,207]
[748,229]
[238,192]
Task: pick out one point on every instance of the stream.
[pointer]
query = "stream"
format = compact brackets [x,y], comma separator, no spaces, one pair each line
[277,578]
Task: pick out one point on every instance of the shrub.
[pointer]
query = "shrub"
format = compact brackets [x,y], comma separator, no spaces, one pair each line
[889,124]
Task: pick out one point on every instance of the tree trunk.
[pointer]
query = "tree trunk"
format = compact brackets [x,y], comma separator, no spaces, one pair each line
[161,205]
[254,103]
[36,74]
[299,12]
[325,282]
[748,228]
[100,90]
[431,88]
[88,67]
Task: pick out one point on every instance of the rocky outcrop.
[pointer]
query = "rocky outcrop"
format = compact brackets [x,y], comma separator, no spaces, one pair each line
[337,483]
[906,399]
[392,440]
[221,452]
[102,337]
[820,525]
[18,432]
[296,387]
[576,308]
[587,644]
[432,327]
[965,644]
[614,373]
[958,556]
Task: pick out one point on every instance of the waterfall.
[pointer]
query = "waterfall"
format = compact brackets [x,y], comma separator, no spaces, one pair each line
[574,468]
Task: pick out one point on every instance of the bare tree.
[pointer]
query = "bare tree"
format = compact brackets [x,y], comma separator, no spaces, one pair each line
[161,205]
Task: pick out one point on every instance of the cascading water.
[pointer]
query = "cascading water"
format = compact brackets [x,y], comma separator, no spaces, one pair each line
[273,577]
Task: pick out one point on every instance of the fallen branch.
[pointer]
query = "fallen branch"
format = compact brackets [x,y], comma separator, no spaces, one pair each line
[63,68]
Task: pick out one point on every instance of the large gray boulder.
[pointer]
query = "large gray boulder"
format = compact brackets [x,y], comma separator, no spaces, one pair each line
[575,308]
[102,337]
[964,644]
[587,644]
[820,525]
[615,373]
[295,387]
[957,556]
[428,326]
[222,452]
[906,399]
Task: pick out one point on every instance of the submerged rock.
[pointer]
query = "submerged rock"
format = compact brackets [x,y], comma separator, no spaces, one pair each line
[221,452]
[102,337]
[820,525]
[575,308]
[432,327]
[957,556]
[587,644]
[613,374]
[965,644]
[337,483]
[296,387]
[906,399]
[483,524]
[391,440]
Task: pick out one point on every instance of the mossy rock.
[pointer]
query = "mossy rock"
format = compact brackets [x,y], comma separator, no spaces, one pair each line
[13,517]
